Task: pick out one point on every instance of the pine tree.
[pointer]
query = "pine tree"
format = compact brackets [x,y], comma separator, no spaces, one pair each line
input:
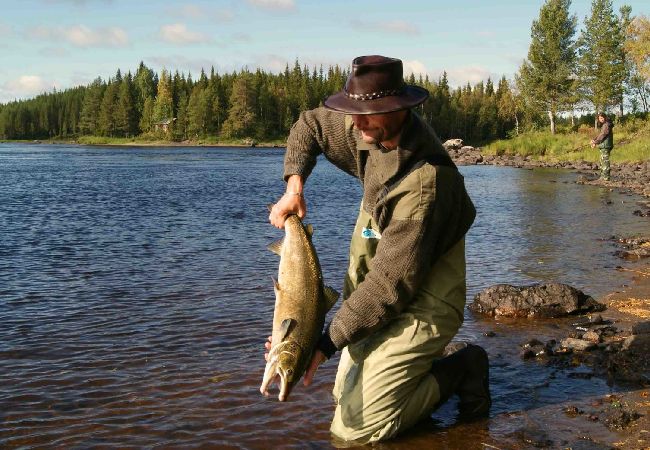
[180,128]
[198,110]
[163,106]
[241,114]
[92,101]
[602,61]
[146,120]
[546,77]
[107,123]
[125,112]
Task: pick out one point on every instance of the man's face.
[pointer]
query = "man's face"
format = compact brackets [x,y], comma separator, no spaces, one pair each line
[378,128]
[601,119]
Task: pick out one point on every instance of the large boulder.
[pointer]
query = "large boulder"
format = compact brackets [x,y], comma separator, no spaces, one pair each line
[453,144]
[539,300]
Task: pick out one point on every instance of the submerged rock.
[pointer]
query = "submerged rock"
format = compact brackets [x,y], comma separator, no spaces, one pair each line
[540,300]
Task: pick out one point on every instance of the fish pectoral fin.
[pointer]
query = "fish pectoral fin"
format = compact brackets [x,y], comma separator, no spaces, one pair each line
[276,247]
[309,229]
[331,296]
[285,327]
[270,206]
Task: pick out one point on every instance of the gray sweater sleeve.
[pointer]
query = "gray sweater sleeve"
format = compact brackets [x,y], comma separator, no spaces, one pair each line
[319,131]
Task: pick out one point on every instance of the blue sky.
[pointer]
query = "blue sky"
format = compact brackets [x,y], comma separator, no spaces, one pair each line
[63,43]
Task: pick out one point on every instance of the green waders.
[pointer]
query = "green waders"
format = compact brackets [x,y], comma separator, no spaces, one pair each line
[604,163]
[383,384]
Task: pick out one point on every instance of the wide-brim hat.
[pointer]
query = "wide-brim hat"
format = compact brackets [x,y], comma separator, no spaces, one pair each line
[375,86]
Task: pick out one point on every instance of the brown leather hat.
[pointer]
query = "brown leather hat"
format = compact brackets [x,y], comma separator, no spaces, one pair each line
[376,85]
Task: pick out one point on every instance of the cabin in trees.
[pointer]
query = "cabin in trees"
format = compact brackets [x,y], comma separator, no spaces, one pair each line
[164,125]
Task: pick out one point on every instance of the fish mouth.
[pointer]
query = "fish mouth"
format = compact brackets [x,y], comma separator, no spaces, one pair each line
[285,387]
[273,371]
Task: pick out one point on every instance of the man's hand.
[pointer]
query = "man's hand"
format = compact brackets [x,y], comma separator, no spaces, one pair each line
[292,202]
[289,203]
[316,360]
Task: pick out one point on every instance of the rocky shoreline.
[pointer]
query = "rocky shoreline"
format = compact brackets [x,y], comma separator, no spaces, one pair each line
[633,177]
[611,341]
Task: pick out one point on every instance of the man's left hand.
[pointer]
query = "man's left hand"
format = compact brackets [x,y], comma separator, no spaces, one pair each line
[316,360]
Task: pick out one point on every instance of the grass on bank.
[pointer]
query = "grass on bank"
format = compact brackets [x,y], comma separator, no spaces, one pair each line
[155,140]
[631,144]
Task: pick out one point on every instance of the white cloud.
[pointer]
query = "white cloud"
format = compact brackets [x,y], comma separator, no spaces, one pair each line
[414,67]
[459,76]
[274,4]
[177,33]
[81,35]
[25,86]
[393,26]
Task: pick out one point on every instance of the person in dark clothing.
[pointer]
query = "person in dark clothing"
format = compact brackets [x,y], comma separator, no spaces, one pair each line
[605,142]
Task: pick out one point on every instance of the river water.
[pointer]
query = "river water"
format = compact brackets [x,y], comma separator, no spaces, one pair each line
[136,293]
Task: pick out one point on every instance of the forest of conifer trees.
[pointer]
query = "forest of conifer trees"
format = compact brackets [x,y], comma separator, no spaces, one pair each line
[246,105]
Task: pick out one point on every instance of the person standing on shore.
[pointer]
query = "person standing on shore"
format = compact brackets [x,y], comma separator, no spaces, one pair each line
[605,142]
[405,290]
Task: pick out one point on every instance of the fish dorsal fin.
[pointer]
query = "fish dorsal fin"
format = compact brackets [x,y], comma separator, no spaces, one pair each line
[331,296]
[309,229]
[285,327]
[276,247]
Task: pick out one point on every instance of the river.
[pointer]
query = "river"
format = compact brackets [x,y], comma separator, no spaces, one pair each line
[136,293]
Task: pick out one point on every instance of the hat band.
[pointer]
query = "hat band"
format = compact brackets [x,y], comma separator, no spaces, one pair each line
[373,95]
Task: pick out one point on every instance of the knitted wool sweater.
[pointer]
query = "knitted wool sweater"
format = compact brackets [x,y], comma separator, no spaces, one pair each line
[409,245]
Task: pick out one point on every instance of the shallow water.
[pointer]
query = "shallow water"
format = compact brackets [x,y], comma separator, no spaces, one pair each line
[135,293]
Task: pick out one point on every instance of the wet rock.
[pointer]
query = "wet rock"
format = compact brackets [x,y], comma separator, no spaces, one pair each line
[591,336]
[641,328]
[527,353]
[620,419]
[540,300]
[633,248]
[536,437]
[577,345]
[489,334]
[637,343]
[572,411]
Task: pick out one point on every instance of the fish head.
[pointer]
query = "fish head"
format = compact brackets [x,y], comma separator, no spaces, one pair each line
[289,368]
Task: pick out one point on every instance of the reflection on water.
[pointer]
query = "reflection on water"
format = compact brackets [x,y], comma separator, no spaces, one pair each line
[135,292]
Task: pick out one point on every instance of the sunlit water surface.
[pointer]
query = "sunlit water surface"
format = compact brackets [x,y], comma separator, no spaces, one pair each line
[136,292]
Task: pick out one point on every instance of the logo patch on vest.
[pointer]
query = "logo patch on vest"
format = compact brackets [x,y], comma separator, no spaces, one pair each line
[369,233]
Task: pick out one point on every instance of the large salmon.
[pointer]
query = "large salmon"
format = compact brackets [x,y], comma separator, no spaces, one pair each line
[301,302]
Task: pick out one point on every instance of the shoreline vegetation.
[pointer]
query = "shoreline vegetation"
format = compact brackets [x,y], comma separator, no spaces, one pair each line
[630,143]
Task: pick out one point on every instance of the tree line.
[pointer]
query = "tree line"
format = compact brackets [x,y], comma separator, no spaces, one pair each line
[241,105]
[562,75]
[596,70]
